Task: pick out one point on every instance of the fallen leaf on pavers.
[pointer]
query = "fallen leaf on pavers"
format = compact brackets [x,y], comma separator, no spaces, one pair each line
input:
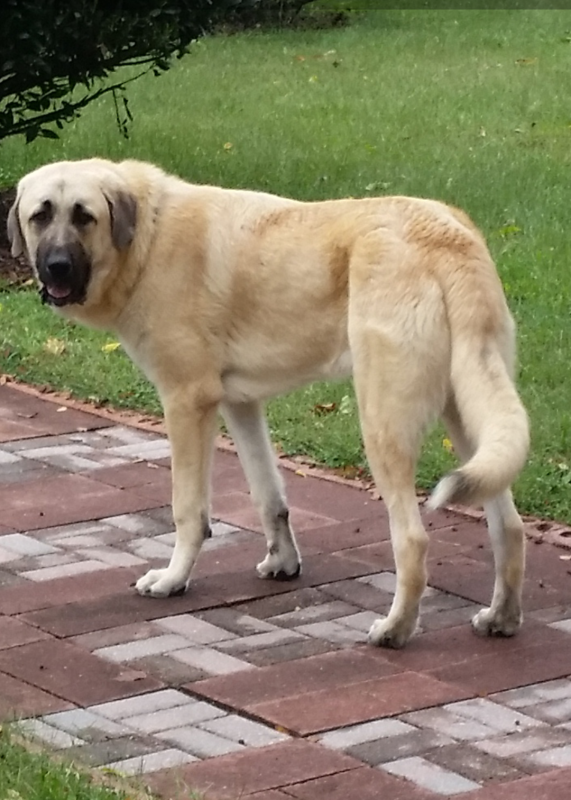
[54,346]
[27,416]
[131,675]
[61,408]
[565,558]
[110,347]
[301,473]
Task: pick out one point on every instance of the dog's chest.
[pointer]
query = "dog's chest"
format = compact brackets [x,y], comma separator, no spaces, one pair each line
[241,386]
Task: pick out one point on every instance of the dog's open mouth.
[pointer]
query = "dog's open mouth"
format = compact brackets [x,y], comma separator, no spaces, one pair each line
[56,295]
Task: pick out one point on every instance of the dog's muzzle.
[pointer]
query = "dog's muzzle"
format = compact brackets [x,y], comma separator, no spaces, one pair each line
[64,272]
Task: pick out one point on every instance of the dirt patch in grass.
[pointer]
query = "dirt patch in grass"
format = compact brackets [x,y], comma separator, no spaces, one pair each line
[13,271]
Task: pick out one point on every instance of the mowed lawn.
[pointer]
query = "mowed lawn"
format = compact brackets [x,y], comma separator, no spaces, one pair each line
[27,774]
[471,107]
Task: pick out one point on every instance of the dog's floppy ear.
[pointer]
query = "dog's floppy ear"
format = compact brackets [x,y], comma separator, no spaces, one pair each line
[123,214]
[15,231]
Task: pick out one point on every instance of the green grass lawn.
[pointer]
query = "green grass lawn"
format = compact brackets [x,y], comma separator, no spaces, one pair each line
[471,107]
[27,774]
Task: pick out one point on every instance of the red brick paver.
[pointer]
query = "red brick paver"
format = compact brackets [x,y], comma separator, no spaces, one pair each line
[257,689]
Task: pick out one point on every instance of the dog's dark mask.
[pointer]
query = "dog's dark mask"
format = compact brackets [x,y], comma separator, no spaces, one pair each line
[64,271]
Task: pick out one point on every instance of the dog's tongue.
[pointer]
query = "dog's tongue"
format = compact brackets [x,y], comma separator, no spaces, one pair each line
[59,292]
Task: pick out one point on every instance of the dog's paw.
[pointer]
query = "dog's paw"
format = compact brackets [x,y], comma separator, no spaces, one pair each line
[159,583]
[486,623]
[383,633]
[280,568]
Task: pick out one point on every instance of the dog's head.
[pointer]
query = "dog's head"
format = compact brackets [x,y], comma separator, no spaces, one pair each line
[72,219]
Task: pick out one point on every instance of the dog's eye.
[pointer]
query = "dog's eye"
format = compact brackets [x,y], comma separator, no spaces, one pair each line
[41,216]
[81,217]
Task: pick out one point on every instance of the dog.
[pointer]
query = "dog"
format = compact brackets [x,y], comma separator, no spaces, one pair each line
[225,298]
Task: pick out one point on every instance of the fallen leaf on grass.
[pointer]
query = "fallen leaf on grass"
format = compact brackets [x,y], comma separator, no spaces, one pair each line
[324,408]
[110,347]
[54,346]
[509,230]
[525,62]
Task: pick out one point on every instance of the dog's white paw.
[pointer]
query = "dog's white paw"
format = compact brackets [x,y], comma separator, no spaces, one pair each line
[160,583]
[280,566]
[384,633]
[486,623]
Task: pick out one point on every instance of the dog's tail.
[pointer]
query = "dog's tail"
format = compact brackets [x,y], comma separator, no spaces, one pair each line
[492,418]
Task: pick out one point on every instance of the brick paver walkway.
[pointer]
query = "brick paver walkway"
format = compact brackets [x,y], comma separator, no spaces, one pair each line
[253,689]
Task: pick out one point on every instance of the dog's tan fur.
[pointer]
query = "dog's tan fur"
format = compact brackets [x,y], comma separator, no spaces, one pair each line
[225,298]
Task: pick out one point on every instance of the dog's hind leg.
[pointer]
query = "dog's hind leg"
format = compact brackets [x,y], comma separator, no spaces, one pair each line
[396,405]
[504,616]
[247,426]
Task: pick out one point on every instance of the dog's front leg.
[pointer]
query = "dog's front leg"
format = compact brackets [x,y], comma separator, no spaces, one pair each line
[190,416]
[247,426]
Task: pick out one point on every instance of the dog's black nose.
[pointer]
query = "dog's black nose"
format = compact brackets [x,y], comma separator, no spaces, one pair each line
[58,264]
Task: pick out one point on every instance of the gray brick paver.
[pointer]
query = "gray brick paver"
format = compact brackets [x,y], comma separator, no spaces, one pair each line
[153,762]
[26,545]
[200,743]
[243,731]
[430,776]
[182,716]
[446,722]
[140,648]
[492,714]
[554,757]
[332,631]
[196,630]
[341,738]
[82,722]
[141,704]
[260,640]
[54,737]
[210,660]
[535,694]
[518,744]
[65,570]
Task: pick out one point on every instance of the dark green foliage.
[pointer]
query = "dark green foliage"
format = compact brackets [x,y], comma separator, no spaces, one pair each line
[55,53]
[265,13]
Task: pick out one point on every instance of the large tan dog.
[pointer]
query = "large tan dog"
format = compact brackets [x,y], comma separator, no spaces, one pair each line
[225,298]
